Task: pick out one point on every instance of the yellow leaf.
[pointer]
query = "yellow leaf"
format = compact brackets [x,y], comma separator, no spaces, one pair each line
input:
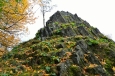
[0,69]
[11,72]
[92,65]
[46,75]
[103,62]
[113,68]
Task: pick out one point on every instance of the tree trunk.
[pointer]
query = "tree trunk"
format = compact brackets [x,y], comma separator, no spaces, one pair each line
[44,16]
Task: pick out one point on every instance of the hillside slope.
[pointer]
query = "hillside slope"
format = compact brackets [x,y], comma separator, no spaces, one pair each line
[69,47]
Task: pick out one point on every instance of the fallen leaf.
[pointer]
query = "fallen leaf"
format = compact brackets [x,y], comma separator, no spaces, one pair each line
[46,75]
[92,65]
[0,70]
[113,68]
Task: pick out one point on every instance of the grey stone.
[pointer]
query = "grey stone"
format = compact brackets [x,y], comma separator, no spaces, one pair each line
[77,18]
[82,31]
[82,44]
[95,32]
[91,58]
[112,54]
[78,56]
[61,53]
[69,32]
[99,69]
[86,24]
[62,68]
[61,45]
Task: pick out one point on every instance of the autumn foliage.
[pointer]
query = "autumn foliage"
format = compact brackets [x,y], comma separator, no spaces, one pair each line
[14,14]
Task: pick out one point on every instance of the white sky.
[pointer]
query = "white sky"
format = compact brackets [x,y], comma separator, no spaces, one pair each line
[98,13]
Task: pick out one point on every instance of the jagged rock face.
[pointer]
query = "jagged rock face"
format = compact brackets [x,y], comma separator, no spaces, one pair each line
[66,24]
[67,46]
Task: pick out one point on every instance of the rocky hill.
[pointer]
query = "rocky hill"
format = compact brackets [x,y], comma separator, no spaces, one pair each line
[67,46]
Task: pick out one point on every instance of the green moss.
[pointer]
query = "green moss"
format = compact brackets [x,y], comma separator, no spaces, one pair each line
[108,66]
[92,42]
[25,74]
[73,24]
[4,74]
[73,70]
[57,31]
[56,23]
[55,59]
[82,25]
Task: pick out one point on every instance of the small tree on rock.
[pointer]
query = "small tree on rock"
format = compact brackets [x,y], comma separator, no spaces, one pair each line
[45,7]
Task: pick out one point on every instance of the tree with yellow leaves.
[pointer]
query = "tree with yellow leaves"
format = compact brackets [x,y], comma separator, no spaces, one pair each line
[14,14]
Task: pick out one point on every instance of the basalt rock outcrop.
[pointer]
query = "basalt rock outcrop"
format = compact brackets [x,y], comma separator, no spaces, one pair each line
[66,24]
[66,46]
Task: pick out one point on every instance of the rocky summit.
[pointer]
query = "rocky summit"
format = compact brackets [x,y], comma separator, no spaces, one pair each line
[66,46]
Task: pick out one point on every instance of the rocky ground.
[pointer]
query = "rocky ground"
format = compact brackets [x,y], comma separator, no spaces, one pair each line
[67,46]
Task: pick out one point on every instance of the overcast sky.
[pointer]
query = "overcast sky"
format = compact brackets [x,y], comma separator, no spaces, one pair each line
[98,13]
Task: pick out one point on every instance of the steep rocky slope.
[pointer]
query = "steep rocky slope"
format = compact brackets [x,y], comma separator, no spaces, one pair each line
[69,47]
